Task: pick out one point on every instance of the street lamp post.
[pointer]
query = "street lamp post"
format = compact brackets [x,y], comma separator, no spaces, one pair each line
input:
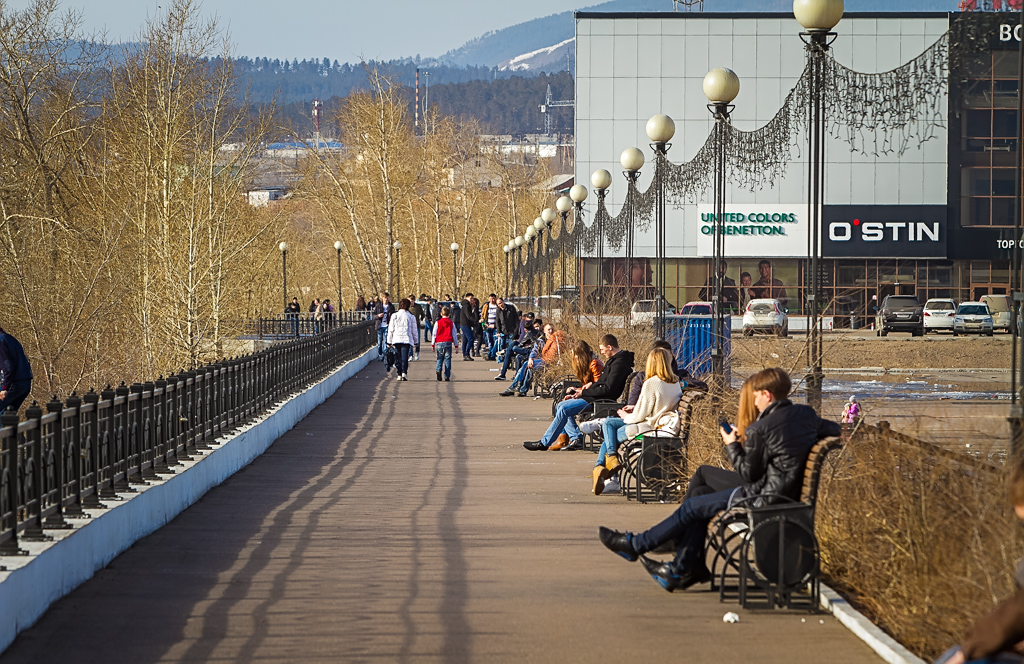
[519,242]
[539,226]
[506,249]
[720,86]
[398,268]
[578,194]
[337,247]
[284,272]
[817,17]
[547,217]
[563,204]
[600,180]
[455,269]
[660,129]
[631,160]
[531,234]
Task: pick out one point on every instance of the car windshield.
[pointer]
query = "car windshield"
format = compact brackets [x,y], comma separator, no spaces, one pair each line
[762,309]
[696,309]
[902,302]
[973,310]
[939,305]
[644,306]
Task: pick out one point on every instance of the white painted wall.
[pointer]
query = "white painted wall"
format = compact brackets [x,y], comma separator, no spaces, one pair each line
[53,569]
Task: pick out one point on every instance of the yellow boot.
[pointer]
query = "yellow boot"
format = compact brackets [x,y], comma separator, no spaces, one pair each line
[612,463]
[599,478]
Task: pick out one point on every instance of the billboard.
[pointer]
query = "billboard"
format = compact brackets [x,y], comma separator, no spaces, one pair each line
[761,231]
[884,231]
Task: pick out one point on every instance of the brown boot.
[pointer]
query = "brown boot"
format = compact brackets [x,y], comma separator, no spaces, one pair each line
[612,463]
[560,442]
[600,475]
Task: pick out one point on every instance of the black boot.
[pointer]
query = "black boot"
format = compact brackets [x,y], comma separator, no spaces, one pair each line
[618,542]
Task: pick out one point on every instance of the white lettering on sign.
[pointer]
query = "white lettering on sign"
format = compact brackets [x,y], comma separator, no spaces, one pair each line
[874,231]
[1006,30]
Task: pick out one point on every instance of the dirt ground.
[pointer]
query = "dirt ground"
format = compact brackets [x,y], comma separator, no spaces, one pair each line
[896,351]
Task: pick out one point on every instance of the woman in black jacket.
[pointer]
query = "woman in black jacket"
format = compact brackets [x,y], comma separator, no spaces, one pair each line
[770,464]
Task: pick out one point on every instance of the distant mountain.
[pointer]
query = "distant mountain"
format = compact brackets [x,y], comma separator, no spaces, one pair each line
[499,48]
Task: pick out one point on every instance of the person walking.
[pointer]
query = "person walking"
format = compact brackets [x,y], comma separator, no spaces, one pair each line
[15,373]
[402,336]
[444,340]
[382,313]
[416,309]
[467,320]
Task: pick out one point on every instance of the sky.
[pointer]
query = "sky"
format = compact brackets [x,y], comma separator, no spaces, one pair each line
[343,30]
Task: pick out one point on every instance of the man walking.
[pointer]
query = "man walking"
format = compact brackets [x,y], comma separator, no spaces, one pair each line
[382,313]
[15,373]
[489,321]
[466,323]
[507,327]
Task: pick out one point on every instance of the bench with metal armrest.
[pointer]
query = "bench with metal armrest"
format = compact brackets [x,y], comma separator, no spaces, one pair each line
[767,555]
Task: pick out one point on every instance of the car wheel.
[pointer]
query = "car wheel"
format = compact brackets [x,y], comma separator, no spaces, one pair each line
[990,333]
[747,332]
[955,333]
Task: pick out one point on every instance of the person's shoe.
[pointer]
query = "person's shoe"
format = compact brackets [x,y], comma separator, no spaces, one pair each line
[506,393]
[416,358]
[573,445]
[618,542]
[405,377]
[398,376]
[520,394]
[500,378]
[468,358]
[612,486]
[599,477]
[662,573]
[447,378]
[535,446]
[560,442]
[611,462]
[438,376]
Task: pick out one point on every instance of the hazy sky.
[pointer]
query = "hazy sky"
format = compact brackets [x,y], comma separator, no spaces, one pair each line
[343,30]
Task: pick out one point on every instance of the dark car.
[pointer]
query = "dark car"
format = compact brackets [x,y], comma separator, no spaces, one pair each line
[900,313]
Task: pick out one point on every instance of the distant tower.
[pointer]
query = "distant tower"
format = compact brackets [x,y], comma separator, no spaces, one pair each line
[317,112]
[690,5]
[546,107]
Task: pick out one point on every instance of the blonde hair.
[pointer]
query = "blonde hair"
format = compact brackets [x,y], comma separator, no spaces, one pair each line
[747,412]
[582,354]
[659,363]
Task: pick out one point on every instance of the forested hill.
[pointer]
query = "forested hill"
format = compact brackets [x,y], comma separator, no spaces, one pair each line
[321,78]
[502,106]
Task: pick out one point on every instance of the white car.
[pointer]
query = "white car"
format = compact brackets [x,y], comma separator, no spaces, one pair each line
[643,312]
[938,315]
[765,315]
[1001,308]
[972,317]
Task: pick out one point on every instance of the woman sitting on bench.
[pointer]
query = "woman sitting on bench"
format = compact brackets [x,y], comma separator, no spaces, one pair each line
[771,464]
[656,409]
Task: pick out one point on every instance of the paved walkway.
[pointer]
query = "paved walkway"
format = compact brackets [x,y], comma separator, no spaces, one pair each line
[404,522]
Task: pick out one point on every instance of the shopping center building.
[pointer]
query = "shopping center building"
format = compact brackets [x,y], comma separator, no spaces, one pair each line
[936,220]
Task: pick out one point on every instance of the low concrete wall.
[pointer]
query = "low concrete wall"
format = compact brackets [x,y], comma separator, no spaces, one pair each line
[53,569]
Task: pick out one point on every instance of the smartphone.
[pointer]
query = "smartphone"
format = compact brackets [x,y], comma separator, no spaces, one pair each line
[724,424]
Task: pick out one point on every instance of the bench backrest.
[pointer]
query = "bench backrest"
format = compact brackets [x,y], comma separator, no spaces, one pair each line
[685,409]
[812,471]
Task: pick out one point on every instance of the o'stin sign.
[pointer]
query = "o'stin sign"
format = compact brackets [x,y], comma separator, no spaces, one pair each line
[761,231]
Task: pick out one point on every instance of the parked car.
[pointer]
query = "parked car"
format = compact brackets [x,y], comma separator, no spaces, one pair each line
[900,313]
[696,309]
[549,306]
[1000,306]
[644,312]
[972,317]
[765,315]
[938,315]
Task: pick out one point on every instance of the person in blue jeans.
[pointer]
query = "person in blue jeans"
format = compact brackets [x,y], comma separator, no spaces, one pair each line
[467,320]
[618,365]
[523,346]
[524,377]
[444,340]
[382,313]
[778,439]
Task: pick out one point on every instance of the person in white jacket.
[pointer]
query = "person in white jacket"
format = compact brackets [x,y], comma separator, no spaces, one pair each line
[656,410]
[403,333]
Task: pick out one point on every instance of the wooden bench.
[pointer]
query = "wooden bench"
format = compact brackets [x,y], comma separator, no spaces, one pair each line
[768,556]
[654,464]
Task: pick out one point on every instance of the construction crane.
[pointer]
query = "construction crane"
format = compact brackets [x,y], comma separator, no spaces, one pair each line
[551,103]
[690,5]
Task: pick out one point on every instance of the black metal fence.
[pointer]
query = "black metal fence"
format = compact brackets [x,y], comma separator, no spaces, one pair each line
[287,326]
[80,453]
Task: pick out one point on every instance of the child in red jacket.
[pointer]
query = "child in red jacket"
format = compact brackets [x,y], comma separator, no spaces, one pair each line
[444,339]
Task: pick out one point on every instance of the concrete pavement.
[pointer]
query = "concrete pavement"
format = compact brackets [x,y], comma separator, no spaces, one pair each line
[401,522]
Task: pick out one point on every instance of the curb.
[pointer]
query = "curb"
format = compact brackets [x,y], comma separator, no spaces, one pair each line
[888,648]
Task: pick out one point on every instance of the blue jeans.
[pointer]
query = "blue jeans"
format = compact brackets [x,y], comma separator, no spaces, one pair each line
[614,430]
[688,525]
[490,337]
[467,339]
[382,342]
[524,376]
[427,327]
[402,361]
[500,341]
[565,421]
[512,351]
[444,357]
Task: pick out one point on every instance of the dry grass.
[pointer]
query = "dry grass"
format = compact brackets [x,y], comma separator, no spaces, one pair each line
[637,339]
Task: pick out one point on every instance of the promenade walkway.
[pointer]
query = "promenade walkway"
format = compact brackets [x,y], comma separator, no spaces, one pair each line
[404,522]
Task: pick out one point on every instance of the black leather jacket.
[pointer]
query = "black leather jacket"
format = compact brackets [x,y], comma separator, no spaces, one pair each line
[508,320]
[612,382]
[773,460]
